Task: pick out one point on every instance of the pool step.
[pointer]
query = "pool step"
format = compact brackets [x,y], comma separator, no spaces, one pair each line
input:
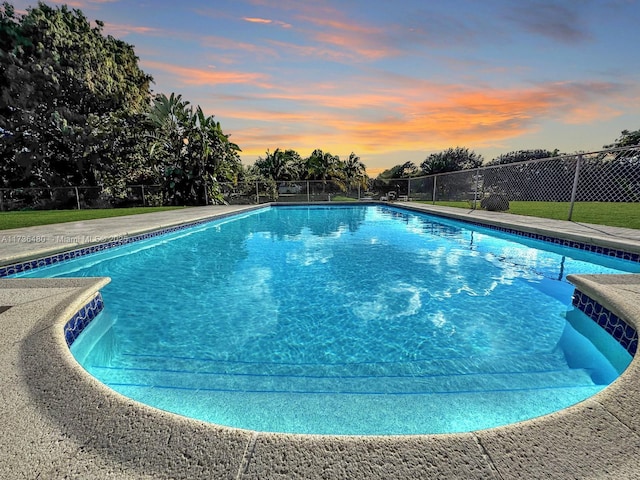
[342,384]
[358,414]
[534,362]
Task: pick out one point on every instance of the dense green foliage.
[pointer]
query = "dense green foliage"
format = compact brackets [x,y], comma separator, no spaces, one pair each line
[523,156]
[76,109]
[65,90]
[451,160]
[285,165]
[405,170]
[626,139]
[281,165]
[191,150]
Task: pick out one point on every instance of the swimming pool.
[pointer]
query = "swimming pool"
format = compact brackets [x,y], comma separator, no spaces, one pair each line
[341,327]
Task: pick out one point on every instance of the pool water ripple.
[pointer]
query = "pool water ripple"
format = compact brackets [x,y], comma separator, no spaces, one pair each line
[344,320]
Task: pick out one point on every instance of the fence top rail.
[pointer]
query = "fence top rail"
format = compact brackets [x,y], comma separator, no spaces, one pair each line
[633,149]
[568,156]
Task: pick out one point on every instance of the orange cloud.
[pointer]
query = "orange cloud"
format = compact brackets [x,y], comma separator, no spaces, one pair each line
[329,34]
[194,76]
[365,41]
[121,30]
[419,118]
[223,44]
[313,51]
[266,21]
[256,20]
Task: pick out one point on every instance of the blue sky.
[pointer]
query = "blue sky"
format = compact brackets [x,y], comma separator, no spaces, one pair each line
[392,81]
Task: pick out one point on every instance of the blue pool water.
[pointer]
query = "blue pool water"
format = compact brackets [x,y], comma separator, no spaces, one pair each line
[346,320]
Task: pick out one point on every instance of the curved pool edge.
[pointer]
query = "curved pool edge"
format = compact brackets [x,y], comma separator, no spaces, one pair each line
[61,421]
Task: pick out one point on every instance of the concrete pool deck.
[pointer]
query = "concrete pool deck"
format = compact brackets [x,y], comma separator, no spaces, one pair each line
[59,422]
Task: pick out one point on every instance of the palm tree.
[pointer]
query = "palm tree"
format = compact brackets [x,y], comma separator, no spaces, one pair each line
[169,120]
[192,150]
[324,166]
[277,165]
[355,172]
[169,117]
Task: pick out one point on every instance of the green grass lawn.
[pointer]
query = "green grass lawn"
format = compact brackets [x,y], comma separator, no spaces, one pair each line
[340,198]
[46,217]
[601,213]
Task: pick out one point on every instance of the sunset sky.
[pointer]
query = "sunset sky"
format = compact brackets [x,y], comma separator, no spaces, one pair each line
[392,81]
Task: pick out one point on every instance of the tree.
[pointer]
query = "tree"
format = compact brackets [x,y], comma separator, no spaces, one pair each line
[191,151]
[523,156]
[626,139]
[451,160]
[61,81]
[297,166]
[277,165]
[406,170]
[324,166]
[355,172]
[224,162]
[169,120]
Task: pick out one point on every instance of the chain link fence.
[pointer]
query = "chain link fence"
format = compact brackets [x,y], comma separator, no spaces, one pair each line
[605,176]
[289,191]
[80,198]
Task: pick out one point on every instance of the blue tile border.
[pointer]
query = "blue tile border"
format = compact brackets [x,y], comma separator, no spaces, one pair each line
[618,328]
[625,334]
[82,318]
[563,242]
[25,266]
[609,252]
[8,270]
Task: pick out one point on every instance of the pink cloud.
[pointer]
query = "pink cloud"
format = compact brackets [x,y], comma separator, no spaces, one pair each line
[257,20]
[81,4]
[417,117]
[194,76]
[121,30]
[229,45]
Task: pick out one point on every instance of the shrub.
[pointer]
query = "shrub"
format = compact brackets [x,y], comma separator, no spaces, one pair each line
[495,203]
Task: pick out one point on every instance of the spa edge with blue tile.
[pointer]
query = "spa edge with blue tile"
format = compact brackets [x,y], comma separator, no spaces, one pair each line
[625,334]
[82,318]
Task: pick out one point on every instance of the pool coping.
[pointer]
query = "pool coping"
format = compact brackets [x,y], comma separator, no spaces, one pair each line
[80,428]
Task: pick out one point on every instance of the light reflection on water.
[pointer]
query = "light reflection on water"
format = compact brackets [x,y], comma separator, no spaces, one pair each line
[388,321]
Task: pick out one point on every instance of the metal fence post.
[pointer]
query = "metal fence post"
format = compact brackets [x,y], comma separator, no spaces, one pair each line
[257,193]
[574,190]
[434,189]
[308,192]
[408,189]
[77,197]
[144,201]
[1,200]
[475,191]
